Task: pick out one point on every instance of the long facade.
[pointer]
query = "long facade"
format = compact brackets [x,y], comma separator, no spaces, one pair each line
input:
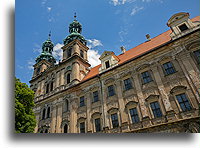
[151,88]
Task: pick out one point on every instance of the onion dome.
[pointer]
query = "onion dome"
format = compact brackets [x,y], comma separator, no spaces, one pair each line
[75,29]
[47,49]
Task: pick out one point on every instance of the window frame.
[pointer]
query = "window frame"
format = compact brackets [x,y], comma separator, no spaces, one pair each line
[95,96]
[127,84]
[168,70]
[107,64]
[82,128]
[183,102]
[135,115]
[180,27]
[111,92]
[146,77]
[97,126]
[157,111]
[68,78]
[114,120]
[82,101]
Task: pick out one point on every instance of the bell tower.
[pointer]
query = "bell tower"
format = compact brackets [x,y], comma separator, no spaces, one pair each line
[45,59]
[75,52]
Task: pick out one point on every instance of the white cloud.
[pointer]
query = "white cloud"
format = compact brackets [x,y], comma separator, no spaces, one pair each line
[49,9]
[94,43]
[93,57]
[43,2]
[57,51]
[135,10]
[120,2]
[31,62]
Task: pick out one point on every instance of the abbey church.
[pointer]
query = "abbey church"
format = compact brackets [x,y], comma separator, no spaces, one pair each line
[151,88]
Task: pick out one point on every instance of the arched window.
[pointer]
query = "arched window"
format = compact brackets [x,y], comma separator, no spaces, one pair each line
[43,113]
[68,78]
[51,88]
[47,88]
[65,128]
[48,112]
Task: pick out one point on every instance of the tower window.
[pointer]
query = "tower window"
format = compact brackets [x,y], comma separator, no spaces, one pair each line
[168,67]
[134,115]
[48,112]
[127,84]
[47,88]
[82,127]
[69,52]
[68,78]
[66,105]
[51,88]
[43,113]
[114,119]
[82,101]
[107,64]
[95,96]
[38,70]
[111,91]
[156,109]
[65,128]
[184,103]
[146,77]
[183,27]
[97,124]
[81,53]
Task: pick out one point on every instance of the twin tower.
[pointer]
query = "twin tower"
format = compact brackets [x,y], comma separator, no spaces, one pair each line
[74,61]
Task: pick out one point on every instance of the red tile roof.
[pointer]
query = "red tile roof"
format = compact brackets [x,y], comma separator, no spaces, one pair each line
[138,50]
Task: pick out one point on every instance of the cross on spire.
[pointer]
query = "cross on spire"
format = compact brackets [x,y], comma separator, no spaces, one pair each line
[75,16]
[49,35]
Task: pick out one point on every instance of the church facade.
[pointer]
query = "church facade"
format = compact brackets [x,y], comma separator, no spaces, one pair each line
[151,88]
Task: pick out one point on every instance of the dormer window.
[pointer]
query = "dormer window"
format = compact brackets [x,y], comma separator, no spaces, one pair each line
[183,27]
[107,64]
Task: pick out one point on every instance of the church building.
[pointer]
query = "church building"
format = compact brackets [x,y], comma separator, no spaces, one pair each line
[151,88]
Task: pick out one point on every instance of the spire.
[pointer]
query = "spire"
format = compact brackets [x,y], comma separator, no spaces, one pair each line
[47,49]
[75,29]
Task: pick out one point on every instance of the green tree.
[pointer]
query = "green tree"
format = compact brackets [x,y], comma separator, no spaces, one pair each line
[25,121]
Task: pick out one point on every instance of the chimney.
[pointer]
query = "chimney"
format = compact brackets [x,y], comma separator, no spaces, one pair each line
[148,37]
[123,49]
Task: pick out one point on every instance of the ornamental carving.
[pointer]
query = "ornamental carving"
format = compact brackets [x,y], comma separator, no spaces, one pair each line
[110,80]
[177,88]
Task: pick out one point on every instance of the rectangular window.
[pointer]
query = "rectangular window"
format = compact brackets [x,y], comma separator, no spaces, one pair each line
[114,119]
[183,27]
[127,84]
[184,102]
[156,109]
[82,101]
[134,115]
[82,127]
[95,96]
[81,53]
[111,91]
[107,64]
[169,69]
[69,52]
[97,124]
[47,88]
[197,56]
[146,77]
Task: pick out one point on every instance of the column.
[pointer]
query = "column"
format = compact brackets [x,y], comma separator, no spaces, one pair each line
[75,72]
[89,123]
[121,102]
[73,116]
[140,95]
[161,88]
[59,117]
[53,119]
[62,77]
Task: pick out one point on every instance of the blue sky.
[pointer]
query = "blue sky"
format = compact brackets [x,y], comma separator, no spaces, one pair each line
[107,25]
